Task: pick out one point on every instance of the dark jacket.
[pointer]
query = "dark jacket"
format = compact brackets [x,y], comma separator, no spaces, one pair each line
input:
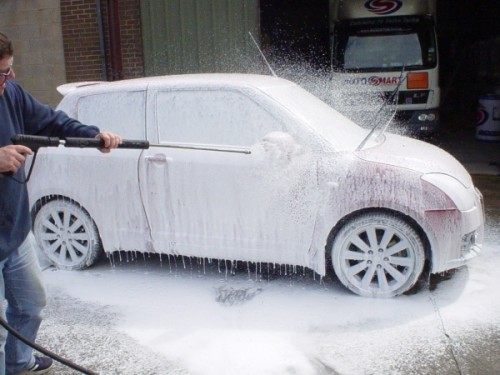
[21,113]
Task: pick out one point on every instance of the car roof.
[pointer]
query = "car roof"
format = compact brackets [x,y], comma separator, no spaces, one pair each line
[227,80]
[286,93]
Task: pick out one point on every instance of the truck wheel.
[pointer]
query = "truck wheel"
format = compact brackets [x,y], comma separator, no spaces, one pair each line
[378,255]
[67,235]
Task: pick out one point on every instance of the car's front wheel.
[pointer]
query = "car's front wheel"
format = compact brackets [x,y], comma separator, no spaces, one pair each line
[378,255]
[67,234]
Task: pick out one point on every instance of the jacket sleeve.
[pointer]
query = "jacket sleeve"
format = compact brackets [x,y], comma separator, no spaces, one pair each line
[41,119]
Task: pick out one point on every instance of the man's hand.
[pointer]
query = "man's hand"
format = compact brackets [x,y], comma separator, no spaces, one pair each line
[110,141]
[12,157]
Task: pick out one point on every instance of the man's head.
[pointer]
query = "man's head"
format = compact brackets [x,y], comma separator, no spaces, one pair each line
[6,48]
[6,61]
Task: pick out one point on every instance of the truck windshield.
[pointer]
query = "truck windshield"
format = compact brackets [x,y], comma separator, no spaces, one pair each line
[385,44]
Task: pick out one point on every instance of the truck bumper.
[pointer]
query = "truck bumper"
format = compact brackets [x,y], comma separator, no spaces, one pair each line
[418,122]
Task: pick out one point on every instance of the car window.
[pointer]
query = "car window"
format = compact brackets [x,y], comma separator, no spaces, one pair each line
[212,117]
[119,112]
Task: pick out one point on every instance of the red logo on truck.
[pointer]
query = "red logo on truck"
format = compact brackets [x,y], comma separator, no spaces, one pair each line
[373,81]
[383,7]
[378,81]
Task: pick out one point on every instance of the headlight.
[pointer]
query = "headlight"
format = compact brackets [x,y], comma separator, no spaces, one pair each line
[458,193]
[424,117]
[427,117]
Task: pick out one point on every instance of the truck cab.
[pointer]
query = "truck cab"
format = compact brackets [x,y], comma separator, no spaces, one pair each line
[385,51]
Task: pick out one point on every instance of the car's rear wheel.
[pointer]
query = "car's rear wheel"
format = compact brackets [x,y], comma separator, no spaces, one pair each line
[67,234]
[378,255]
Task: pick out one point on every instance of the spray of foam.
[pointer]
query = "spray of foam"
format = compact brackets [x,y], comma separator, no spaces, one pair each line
[365,107]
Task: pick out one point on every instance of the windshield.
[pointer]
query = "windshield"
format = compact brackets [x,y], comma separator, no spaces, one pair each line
[339,131]
[387,51]
[385,44]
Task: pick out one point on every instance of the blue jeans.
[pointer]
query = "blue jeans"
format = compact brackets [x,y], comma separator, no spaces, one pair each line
[21,285]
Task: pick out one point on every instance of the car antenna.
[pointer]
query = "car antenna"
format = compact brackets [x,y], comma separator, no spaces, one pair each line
[393,98]
[262,54]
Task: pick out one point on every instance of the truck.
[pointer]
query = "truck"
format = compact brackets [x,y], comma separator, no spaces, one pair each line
[385,55]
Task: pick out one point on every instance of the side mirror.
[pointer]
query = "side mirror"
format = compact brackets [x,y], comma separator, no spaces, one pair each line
[277,146]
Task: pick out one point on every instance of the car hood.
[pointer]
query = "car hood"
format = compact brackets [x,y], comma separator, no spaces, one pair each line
[419,156]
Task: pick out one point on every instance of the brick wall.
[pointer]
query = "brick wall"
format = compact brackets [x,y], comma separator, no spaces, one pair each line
[82,46]
[131,38]
[81,40]
[35,30]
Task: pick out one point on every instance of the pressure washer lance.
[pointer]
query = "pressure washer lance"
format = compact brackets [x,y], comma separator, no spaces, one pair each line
[34,142]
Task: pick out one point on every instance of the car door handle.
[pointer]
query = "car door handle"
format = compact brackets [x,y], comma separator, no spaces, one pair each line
[158,158]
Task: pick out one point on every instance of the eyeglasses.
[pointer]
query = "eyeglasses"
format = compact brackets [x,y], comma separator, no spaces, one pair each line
[5,76]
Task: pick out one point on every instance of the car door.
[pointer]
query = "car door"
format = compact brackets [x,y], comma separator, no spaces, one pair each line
[109,186]
[257,206]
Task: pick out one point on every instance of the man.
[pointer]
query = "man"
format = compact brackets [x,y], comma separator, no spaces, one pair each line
[20,276]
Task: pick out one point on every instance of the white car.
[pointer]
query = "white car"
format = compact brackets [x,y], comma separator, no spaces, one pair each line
[252,168]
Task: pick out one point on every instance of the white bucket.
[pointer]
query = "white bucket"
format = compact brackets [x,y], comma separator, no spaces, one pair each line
[488,118]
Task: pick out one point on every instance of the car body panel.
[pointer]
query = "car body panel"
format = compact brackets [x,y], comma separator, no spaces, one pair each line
[269,206]
[104,185]
[405,152]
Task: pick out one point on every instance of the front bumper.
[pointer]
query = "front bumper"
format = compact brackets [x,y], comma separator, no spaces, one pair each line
[457,235]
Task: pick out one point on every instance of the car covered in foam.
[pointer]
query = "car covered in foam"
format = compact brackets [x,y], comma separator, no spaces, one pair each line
[252,168]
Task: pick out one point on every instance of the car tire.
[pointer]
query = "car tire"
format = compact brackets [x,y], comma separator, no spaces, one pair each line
[378,254]
[67,235]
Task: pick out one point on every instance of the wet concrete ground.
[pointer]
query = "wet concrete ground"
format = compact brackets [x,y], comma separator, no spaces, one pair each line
[480,356]
[85,334]
[482,160]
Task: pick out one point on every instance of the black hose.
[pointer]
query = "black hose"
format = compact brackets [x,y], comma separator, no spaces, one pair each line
[42,350]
